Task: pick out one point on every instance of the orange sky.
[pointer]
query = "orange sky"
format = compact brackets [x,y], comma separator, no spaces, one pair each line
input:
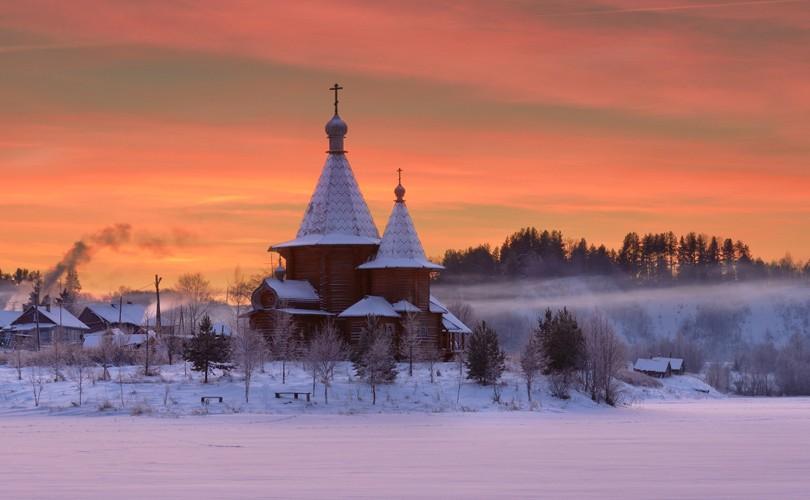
[202,123]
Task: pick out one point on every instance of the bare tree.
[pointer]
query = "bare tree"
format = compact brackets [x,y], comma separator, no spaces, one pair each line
[78,363]
[531,363]
[247,347]
[325,351]
[410,340]
[37,381]
[431,354]
[605,355]
[196,292]
[379,363]
[286,342]
[108,353]
[19,359]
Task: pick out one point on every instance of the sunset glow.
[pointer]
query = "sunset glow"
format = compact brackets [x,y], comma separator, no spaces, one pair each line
[202,126]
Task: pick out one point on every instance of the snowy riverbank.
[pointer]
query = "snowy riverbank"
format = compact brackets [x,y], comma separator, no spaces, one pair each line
[177,392]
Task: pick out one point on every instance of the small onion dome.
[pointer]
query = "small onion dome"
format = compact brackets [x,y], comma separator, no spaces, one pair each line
[399,191]
[336,127]
[280,272]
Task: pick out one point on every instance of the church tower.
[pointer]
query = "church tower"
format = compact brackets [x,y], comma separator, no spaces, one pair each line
[338,269]
[337,232]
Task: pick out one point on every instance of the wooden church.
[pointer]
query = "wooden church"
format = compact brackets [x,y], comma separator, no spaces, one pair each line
[339,268]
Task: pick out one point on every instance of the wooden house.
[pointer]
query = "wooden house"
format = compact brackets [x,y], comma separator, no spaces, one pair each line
[677,365]
[129,318]
[38,326]
[659,368]
[338,267]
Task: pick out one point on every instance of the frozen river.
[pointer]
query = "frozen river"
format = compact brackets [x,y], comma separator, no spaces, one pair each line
[736,448]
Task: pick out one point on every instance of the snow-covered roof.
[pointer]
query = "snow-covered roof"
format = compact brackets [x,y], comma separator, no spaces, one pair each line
[305,312]
[60,316]
[133,314]
[297,290]
[400,246]
[93,340]
[403,306]
[337,213]
[7,317]
[450,321]
[651,365]
[370,305]
[674,363]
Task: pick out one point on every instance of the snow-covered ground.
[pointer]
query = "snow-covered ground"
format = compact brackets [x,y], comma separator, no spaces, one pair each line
[177,392]
[726,448]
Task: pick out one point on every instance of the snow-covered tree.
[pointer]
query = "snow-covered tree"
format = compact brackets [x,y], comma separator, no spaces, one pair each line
[379,363]
[325,351]
[247,346]
[531,363]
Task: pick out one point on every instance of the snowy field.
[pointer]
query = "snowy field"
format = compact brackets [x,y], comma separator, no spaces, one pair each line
[175,391]
[726,448]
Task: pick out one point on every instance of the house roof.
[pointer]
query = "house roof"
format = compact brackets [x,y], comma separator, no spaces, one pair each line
[651,365]
[674,363]
[337,213]
[305,312]
[296,290]
[57,315]
[400,246]
[7,317]
[370,305]
[450,322]
[403,306]
[132,314]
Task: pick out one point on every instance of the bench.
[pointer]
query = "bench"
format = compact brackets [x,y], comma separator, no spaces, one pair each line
[294,395]
[207,399]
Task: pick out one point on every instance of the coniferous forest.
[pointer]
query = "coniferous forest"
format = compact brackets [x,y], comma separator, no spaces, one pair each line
[650,259]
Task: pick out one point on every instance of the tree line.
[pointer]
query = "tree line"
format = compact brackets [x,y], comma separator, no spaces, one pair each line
[653,258]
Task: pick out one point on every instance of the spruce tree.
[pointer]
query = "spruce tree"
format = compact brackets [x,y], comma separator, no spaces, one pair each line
[563,346]
[485,360]
[208,351]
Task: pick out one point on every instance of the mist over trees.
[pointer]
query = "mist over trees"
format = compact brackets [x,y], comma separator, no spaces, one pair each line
[652,259]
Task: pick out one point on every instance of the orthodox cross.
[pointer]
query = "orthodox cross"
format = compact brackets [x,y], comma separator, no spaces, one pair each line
[399,174]
[336,88]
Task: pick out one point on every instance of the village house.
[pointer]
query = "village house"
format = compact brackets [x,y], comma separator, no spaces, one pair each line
[129,318]
[676,365]
[339,268]
[37,326]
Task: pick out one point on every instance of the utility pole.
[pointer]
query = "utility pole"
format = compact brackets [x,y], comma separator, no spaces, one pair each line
[158,279]
[120,308]
[36,315]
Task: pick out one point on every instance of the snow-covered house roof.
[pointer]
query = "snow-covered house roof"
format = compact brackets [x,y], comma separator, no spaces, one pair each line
[132,314]
[370,305]
[651,365]
[294,290]
[57,315]
[8,317]
[400,246]
[403,306]
[337,213]
[674,363]
[450,322]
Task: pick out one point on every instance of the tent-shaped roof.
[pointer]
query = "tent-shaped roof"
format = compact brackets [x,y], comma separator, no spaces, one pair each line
[337,214]
[400,246]
[370,305]
[450,322]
